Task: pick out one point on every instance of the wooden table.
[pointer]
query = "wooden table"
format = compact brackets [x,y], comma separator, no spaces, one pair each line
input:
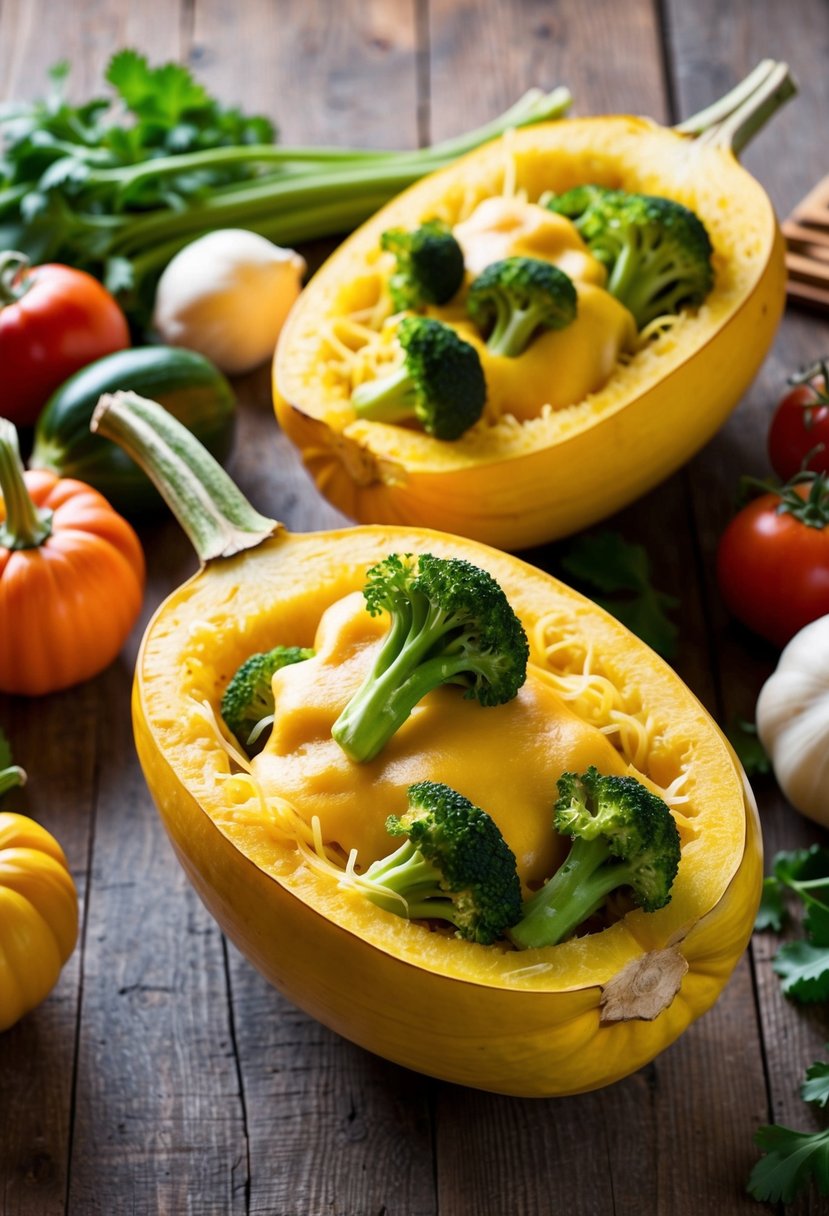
[163,1075]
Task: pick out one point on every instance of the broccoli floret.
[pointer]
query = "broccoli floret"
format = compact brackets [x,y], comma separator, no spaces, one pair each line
[454,865]
[430,265]
[247,705]
[623,836]
[440,382]
[450,624]
[512,299]
[657,252]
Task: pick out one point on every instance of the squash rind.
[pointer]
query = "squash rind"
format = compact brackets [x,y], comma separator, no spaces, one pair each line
[526,1024]
[592,459]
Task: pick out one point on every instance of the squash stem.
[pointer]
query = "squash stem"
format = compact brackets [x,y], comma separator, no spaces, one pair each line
[10,777]
[736,118]
[214,513]
[26,526]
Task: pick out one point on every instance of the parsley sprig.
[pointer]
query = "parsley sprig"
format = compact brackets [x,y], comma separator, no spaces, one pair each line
[619,571]
[794,1159]
[118,184]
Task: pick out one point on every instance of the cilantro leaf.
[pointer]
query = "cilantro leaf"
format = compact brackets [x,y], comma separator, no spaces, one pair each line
[803,970]
[772,911]
[816,922]
[802,865]
[792,1160]
[620,572]
[815,1088]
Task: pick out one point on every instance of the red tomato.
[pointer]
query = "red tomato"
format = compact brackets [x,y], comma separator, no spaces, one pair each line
[53,321]
[800,426]
[773,568]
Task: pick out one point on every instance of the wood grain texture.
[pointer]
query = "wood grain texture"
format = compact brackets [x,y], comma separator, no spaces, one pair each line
[712,48]
[666,1104]
[163,1075]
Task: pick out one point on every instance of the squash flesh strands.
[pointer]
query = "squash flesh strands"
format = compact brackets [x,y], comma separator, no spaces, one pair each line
[527,476]
[543,1022]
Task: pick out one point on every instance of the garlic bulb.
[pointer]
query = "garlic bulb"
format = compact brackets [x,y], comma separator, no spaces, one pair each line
[793,721]
[226,295]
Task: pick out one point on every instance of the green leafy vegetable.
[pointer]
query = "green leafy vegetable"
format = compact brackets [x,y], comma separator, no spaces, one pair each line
[815,1089]
[620,572]
[119,190]
[772,911]
[803,970]
[793,1159]
[744,739]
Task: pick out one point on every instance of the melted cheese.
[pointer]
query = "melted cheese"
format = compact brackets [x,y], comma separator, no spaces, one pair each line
[511,227]
[505,759]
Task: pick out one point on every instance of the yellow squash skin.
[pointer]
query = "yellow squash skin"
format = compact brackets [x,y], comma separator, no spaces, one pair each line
[538,1023]
[38,915]
[518,484]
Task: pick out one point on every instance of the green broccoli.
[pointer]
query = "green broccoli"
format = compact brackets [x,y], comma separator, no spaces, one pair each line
[440,383]
[514,298]
[657,252]
[623,836]
[247,705]
[454,865]
[430,265]
[450,624]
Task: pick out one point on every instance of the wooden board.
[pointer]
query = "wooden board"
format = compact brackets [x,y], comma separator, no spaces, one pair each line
[164,1075]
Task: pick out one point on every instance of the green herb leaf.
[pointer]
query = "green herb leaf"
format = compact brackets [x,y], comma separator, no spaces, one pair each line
[803,970]
[743,737]
[793,1160]
[815,1088]
[605,562]
[816,922]
[772,911]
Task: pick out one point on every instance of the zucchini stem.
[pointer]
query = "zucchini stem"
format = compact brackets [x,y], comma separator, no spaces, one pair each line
[214,513]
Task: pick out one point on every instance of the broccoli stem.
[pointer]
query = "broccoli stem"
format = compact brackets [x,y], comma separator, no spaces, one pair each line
[388,398]
[401,677]
[512,332]
[577,889]
[406,874]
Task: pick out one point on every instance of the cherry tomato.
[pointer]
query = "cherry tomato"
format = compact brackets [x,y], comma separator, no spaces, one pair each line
[800,425]
[53,321]
[773,566]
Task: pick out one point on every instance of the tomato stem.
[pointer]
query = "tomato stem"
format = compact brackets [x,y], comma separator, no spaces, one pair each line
[13,286]
[26,526]
[813,511]
[212,510]
[812,375]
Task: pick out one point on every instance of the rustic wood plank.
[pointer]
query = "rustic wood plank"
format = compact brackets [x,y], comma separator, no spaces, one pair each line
[330,1128]
[711,1073]
[711,47]
[152,1128]
[55,741]
[159,1126]
[55,738]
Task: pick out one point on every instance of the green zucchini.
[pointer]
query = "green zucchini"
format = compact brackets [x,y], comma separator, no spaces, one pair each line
[185,383]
